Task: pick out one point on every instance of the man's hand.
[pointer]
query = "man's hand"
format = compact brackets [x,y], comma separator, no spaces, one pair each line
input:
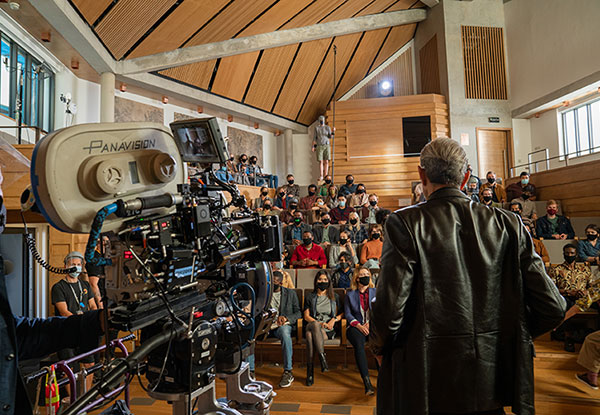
[281,320]
[342,222]
[296,242]
[325,244]
[363,329]
[556,236]
[329,325]
[563,236]
[314,147]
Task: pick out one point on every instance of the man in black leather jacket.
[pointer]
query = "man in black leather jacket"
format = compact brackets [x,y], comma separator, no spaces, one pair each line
[460,297]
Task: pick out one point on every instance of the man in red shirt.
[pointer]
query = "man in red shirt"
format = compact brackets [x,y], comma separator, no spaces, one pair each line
[308,255]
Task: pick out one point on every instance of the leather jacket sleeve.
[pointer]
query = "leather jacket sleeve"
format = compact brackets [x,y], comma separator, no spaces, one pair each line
[293,307]
[398,263]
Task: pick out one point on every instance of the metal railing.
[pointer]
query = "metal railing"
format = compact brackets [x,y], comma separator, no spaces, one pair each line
[36,130]
[562,158]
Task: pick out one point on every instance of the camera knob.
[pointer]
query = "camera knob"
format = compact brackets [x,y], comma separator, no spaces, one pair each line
[164,167]
[110,177]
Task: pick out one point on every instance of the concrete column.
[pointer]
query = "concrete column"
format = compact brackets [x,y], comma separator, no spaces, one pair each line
[107,97]
[288,151]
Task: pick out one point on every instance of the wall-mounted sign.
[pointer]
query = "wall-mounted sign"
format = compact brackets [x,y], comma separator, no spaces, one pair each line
[494,119]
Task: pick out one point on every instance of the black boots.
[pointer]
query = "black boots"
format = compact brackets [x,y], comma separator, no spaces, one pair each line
[324,367]
[310,374]
[368,387]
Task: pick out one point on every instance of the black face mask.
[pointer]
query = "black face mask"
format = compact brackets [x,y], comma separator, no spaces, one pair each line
[516,212]
[349,182]
[569,259]
[244,160]
[307,241]
[376,235]
[264,193]
[277,288]
[311,192]
[326,221]
[364,280]
[525,196]
[327,181]
[297,221]
[491,180]
[373,202]
[487,198]
[343,241]
[353,221]
[267,207]
[230,158]
[293,206]
[252,161]
[323,285]
[344,265]
[592,236]
[281,194]
[291,181]
[360,191]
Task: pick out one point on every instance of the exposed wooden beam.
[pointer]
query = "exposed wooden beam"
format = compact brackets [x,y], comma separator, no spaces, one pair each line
[262,41]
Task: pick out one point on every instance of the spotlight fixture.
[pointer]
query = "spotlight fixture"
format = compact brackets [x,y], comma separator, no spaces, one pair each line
[229,117]
[74,63]
[385,88]
[122,87]
[256,126]
[165,99]
[200,109]
[14,5]
[46,37]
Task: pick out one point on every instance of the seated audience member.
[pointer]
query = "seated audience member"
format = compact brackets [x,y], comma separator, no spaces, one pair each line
[348,188]
[498,192]
[516,208]
[345,245]
[589,359]
[472,190]
[280,202]
[487,198]
[538,245]
[589,249]
[360,199]
[356,312]
[242,168]
[319,209]
[418,195]
[552,225]
[285,301]
[326,234]
[292,189]
[288,282]
[369,212]
[287,216]
[223,175]
[292,234]
[381,216]
[231,168]
[515,190]
[286,256]
[332,197]
[478,180]
[264,196]
[267,209]
[342,276]
[357,232]
[529,210]
[321,312]
[370,252]
[308,254]
[341,212]
[324,188]
[307,202]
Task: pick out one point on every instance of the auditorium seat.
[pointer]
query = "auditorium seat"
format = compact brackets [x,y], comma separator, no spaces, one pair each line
[579,224]
[540,206]
[339,341]
[305,278]
[555,249]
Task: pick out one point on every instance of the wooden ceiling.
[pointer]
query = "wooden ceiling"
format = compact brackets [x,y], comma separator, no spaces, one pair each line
[295,82]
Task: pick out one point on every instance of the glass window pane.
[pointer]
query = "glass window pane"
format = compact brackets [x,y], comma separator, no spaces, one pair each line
[47,99]
[570,139]
[5,76]
[35,67]
[584,136]
[596,125]
[20,106]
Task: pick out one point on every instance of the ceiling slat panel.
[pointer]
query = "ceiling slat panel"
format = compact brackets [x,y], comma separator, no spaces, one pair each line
[128,21]
[233,19]
[269,76]
[197,74]
[91,9]
[403,5]
[188,17]
[322,89]
[362,59]
[377,7]
[313,13]
[398,37]
[347,10]
[235,71]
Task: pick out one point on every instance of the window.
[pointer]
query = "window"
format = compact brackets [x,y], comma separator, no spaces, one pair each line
[581,130]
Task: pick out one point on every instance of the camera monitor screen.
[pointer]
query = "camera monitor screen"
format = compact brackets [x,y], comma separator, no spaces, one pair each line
[200,141]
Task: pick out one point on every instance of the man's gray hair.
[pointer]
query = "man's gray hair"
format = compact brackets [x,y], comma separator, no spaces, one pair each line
[444,161]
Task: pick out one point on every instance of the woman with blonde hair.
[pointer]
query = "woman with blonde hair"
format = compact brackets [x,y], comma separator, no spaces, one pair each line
[356,311]
[332,195]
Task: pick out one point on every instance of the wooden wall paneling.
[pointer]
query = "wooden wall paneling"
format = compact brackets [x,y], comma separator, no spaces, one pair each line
[195,74]
[404,5]
[398,37]
[129,20]
[321,91]
[188,17]
[348,9]
[378,6]
[430,71]
[15,175]
[91,9]
[300,77]
[378,136]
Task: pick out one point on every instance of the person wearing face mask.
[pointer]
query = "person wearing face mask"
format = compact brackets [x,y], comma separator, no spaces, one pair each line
[242,168]
[308,254]
[307,202]
[538,246]
[472,190]
[287,216]
[321,146]
[336,249]
[332,196]
[529,209]
[280,202]
[515,190]
[287,278]
[321,312]
[477,179]
[318,210]
[285,302]
[498,192]
[348,188]
[342,276]
[325,233]
[487,199]
[356,312]
[291,189]
[262,199]
[360,199]
[588,249]
[292,234]
[357,233]
[517,209]
[324,187]
[370,252]
[341,213]
[574,281]
[552,225]
[369,212]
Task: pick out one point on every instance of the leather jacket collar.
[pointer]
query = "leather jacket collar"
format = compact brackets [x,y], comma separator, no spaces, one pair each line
[446,192]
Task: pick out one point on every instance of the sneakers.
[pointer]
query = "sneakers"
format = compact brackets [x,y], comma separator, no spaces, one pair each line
[583,378]
[286,379]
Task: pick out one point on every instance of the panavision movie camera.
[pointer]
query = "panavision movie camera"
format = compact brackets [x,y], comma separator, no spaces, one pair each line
[194,279]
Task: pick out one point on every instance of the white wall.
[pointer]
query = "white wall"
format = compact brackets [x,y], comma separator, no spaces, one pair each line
[85,94]
[521,141]
[550,44]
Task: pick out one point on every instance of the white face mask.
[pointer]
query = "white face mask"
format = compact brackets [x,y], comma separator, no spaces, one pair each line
[76,273]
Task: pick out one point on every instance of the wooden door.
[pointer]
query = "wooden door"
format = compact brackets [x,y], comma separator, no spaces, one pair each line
[493,152]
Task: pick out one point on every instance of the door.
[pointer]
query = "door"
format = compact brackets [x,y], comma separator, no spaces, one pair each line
[493,152]
[19,283]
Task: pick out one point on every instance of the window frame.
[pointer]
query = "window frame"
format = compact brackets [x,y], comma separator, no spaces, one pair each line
[565,151]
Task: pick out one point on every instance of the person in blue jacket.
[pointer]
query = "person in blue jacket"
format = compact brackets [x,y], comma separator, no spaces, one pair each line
[553,225]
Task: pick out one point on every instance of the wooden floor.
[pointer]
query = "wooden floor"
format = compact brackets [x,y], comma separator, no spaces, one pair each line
[340,391]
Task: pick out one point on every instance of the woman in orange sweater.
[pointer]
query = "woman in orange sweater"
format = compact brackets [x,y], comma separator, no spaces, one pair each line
[371,250]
